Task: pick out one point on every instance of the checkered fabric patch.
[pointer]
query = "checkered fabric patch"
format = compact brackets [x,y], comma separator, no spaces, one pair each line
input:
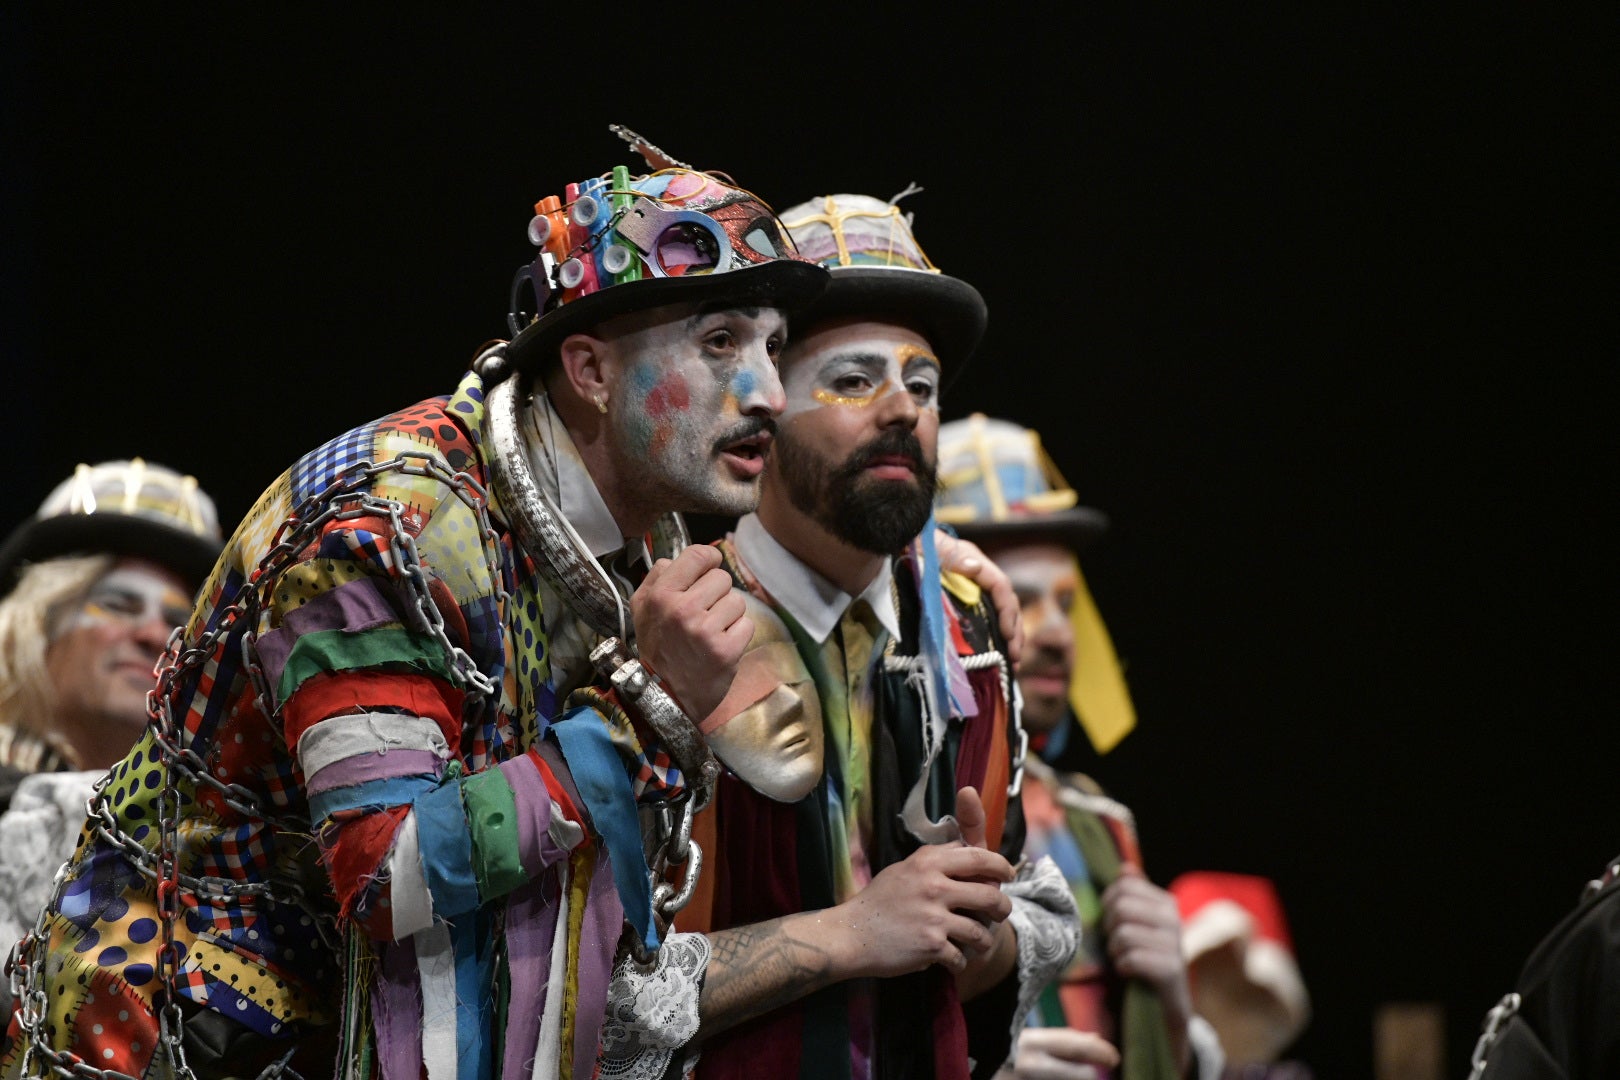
[318,468]
[238,854]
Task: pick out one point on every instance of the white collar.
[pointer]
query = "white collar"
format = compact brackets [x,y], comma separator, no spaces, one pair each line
[569,483]
[814,602]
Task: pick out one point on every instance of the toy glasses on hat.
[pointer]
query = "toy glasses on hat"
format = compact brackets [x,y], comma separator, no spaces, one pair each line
[682,243]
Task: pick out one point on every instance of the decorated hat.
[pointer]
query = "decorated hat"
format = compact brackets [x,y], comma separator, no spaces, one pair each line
[998,486]
[1235,922]
[618,243]
[997,483]
[878,267]
[120,508]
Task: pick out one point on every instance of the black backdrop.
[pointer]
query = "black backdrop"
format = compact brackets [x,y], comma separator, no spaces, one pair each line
[1303,301]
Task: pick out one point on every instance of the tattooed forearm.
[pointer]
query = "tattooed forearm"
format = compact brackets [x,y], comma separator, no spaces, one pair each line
[755,969]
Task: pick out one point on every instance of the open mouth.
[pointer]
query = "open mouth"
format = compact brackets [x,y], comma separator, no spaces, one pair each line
[746,457]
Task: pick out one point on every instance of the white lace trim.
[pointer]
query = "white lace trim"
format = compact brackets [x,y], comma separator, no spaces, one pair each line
[652,1014]
[1048,925]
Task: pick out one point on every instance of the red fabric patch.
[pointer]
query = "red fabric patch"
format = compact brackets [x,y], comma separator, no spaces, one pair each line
[354,849]
[112,1027]
[560,801]
[340,693]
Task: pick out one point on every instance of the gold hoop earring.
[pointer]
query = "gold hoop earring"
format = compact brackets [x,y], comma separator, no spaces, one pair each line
[601,405]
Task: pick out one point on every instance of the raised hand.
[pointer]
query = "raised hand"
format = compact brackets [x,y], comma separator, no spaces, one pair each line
[691,628]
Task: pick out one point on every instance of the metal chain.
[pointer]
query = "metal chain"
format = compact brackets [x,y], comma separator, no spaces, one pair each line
[343,499]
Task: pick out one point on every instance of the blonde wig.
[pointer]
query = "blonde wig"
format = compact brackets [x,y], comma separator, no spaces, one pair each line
[45,589]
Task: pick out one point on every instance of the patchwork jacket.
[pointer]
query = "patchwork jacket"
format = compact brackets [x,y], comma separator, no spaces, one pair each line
[362,824]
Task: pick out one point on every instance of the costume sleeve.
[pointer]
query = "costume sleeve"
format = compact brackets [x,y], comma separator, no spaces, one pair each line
[362,683]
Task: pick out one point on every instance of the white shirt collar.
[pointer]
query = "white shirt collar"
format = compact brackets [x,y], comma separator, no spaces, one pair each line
[569,483]
[814,602]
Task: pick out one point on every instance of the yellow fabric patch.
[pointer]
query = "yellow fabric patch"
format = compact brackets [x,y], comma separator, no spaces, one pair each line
[307,580]
[962,587]
[1097,691]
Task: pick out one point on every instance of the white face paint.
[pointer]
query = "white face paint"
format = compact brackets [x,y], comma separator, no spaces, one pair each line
[128,595]
[101,654]
[858,366]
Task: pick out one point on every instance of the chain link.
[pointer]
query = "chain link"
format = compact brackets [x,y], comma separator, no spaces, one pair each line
[344,499]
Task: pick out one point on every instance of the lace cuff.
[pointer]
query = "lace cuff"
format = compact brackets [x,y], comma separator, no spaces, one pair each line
[1048,926]
[652,1014]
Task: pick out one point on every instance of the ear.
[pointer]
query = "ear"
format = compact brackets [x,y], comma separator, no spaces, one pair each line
[587,366]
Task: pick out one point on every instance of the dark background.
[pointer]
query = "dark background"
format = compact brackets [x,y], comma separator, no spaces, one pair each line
[1306,302]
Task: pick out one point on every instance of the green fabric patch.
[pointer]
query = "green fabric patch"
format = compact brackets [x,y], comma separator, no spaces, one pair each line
[492,816]
[328,651]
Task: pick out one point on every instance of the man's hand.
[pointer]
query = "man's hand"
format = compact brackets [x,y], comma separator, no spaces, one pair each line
[691,628]
[965,558]
[988,968]
[1060,1054]
[942,904]
[1144,942]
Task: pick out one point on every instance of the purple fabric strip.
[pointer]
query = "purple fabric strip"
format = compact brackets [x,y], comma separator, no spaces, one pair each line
[359,605]
[396,1008]
[366,767]
[536,849]
[598,943]
[531,923]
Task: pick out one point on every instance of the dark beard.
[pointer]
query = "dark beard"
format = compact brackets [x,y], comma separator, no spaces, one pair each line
[880,516]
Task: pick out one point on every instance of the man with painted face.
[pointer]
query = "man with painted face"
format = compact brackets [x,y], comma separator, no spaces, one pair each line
[1123,1002]
[91,587]
[387,811]
[859,894]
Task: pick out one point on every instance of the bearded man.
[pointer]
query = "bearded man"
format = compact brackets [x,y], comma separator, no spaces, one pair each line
[1124,1001]
[381,812]
[860,896]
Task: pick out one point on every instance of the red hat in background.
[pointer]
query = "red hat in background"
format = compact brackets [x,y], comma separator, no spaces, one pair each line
[1240,958]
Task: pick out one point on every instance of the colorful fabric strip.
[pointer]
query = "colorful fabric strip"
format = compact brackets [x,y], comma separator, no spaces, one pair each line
[353,607]
[531,924]
[337,650]
[535,811]
[342,737]
[600,777]
[492,814]
[326,696]
[367,767]
[474,1002]
[409,899]
[396,1008]
[375,794]
[396,1011]
[435,962]
[549,1043]
[441,828]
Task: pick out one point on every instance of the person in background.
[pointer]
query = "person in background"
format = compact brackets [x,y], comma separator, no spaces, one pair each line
[1123,1006]
[91,587]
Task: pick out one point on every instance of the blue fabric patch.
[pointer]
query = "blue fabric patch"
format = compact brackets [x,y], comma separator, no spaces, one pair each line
[394,791]
[475,996]
[599,774]
[446,843]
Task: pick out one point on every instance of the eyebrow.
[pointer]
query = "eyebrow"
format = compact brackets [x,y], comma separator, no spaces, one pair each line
[712,307]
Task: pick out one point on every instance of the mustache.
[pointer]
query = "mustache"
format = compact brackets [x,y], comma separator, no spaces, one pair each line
[746,429]
[896,442]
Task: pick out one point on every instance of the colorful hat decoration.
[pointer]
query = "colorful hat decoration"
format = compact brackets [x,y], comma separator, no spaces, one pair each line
[1237,919]
[617,243]
[998,482]
[128,507]
[878,266]
[998,486]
